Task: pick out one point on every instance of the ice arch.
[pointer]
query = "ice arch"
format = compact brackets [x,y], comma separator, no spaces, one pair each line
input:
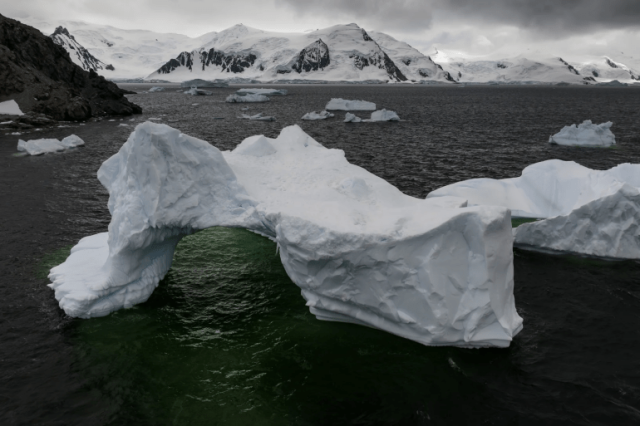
[433,271]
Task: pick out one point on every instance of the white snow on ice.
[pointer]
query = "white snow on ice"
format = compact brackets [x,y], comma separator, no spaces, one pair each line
[156,89]
[585,134]
[383,115]
[266,92]
[322,115]
[349,105]
[10,108]
[361,251]
[43,146]
[235,98]
[258,117]
[352,118]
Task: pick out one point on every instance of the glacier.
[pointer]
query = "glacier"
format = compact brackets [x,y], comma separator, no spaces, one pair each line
[10,108]
[585,134]
[434,271]
[43,146]
[235,98]
[349,105]
[584,211]
[322,115]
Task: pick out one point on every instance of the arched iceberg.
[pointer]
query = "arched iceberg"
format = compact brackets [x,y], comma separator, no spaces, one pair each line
[432,271]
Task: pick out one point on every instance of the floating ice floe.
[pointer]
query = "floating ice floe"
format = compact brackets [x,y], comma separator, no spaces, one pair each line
[198,92]
[584,211]
[585,134]
[322,115]
[258,117]
[266,92]
[347,105]
[43,146]
[156,89]
[352,118]
[10,108]
[361,251]
[123,125]
[246,98]
[383,115]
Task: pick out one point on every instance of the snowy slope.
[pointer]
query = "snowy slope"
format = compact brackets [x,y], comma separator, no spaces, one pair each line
[337,53]
[606,69]
[413,63]
[79,55]
[133,53]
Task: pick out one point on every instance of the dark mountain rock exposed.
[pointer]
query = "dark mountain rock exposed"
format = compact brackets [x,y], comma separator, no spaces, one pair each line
[42,78]
[232,62]
[86,60]
[379,59]
[312,58]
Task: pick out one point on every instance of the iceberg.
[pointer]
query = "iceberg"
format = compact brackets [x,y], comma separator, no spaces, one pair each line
[258,117]
[585,211]
[156,89]
[246,98]
[383,115]
[198,92]
[265,92]
[43,146]
[585,134]
[352,118]
[322,115]
[10,108]
[361,251]
[347,105]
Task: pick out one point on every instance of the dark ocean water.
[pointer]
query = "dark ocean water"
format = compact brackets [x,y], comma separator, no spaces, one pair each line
[226,338]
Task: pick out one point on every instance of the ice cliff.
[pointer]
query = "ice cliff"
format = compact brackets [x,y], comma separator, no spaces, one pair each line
[433,271]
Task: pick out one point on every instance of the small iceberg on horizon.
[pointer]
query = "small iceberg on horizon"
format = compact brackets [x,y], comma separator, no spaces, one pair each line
[257,117]
[340,104]
[203,83]
[235,98]
[198,92]
[156,89]
[383,115]
[322,115]
[265,92]
[352,118]
[44,146]
[585,134]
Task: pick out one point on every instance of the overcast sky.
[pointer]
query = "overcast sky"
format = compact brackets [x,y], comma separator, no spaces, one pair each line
[470,26]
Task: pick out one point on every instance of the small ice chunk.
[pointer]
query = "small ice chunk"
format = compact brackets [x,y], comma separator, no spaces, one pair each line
[6,122]
[352,118]
[198,92]
[322,115]
[258,117]
[10,108]
[585,134]
[156,89]
[72,141]
[155,119]
[266,92]
[123,125]
[383,115]
[235,98]
[350,105]
[40,146]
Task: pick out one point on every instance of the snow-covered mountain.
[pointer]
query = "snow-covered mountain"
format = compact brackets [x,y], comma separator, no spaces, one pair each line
[79,55]
[533,67]
[337,53]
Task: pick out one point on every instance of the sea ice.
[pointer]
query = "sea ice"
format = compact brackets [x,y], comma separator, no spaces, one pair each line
[198,92]
[383,115]
[246,98]
[352,118]
[361,251]
[266,92]
[578,205]
[156,89]
[43,146]
[258,117]
[586,134]
[347,105]
[322,115]
[10,108]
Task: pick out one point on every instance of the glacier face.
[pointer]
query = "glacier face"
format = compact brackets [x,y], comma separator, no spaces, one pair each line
[586,211]
[433,271]
[585,134]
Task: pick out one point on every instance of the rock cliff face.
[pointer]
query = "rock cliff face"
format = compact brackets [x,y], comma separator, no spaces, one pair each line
[312,58]
[77,52]
[42,78]
[235,63]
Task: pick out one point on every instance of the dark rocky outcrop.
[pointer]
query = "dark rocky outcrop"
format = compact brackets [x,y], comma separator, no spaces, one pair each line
[569,66]
[42,78]
[87,61]
[312,58]
[233,62]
